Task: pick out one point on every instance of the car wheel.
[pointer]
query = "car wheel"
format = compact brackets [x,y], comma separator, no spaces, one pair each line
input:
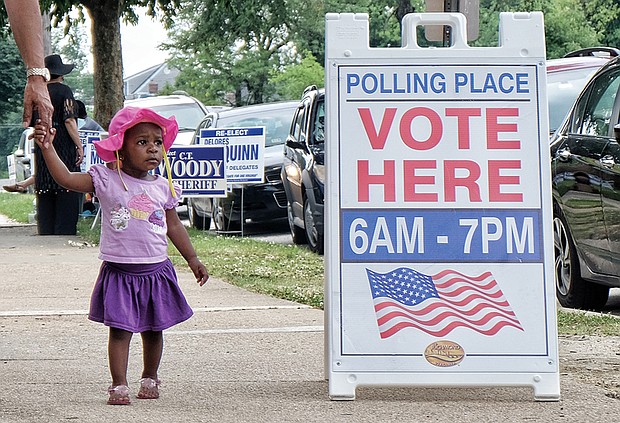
[196,220]
[297,233]
[571,289]
[315,240]
[222,222]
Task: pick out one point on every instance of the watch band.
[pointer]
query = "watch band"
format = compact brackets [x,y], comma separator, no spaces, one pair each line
[44,72]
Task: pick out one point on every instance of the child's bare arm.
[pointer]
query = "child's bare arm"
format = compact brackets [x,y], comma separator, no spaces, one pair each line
[75,181]
[179,237]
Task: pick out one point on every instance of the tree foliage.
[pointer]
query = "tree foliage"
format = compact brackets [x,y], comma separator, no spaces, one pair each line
[12,82]
[566,25]
[291,82]
[11,98]
[106,17]
[604,17]
[237,46]
[233,44]
[71,48]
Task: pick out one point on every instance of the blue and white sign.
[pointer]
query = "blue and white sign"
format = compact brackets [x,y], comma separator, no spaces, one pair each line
[197,169]
[10,159]
[439,244]
[90,154]
[245,149]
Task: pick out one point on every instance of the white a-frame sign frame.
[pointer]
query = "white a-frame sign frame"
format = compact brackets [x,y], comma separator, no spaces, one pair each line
[439,246]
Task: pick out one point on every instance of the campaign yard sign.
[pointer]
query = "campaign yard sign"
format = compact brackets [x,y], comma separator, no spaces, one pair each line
[245,149]
[10,160]
[439,254]
[197,169]
[90,154]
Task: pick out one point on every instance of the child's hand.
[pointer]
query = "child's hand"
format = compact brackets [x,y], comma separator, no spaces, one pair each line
[199,269]
[39,134]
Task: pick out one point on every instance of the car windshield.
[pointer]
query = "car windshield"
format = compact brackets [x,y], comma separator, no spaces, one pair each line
[562,90]
[277,123]
[187,115]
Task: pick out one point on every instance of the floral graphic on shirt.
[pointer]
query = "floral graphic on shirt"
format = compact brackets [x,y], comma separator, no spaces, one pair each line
[141,206]
[119,217]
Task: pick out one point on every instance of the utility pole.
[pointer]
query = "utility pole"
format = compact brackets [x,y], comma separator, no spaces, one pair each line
[471,10]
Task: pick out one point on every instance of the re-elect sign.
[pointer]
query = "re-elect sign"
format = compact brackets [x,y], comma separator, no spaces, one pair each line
[244,152]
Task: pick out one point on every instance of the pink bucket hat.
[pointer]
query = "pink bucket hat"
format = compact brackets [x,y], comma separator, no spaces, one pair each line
[128,117]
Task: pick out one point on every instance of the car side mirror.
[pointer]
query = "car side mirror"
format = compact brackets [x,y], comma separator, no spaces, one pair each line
[617,132]
[294,144]
[26,160]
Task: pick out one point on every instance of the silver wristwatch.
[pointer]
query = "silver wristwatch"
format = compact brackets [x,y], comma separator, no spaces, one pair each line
[44,72]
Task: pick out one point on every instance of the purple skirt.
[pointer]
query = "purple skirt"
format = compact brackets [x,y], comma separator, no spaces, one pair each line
[138,297]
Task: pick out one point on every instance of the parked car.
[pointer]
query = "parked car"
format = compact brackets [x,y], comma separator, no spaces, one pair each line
[23,157]
[585,155]
[187,110]
[303,170]
[567,76]
[261,201]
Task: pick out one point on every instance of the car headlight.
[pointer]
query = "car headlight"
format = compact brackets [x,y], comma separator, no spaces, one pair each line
[319,172]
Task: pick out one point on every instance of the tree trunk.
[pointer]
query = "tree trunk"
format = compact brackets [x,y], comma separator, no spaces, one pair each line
[402,8]
[108,62]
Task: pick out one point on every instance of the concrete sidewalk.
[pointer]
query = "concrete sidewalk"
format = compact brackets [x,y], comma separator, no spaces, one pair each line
[242,357]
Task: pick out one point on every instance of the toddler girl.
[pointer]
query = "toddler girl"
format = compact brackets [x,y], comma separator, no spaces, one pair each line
[137,289]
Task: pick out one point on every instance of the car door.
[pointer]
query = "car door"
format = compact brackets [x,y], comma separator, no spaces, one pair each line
[610,178]
[578,171]
[294,159]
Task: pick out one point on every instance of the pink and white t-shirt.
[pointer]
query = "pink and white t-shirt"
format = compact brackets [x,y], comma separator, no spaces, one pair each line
[133,221]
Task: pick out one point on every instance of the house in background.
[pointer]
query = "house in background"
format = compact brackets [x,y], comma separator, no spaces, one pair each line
[149,82]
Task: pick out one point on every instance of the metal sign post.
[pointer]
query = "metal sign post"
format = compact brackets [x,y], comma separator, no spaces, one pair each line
[439,245]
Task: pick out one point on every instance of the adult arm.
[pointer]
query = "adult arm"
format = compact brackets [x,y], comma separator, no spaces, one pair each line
[25,20]
[71,124]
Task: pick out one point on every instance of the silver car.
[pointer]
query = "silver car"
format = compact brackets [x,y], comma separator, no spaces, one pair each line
[256,202]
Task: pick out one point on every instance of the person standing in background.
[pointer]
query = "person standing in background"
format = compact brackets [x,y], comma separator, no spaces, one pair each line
[57,207]
[25,20]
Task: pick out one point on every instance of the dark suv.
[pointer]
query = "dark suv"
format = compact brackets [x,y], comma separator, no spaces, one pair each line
[303,170]
[260,201]
[585,154]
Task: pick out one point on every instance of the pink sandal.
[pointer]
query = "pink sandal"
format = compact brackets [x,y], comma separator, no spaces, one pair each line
[119,395]
[149,388]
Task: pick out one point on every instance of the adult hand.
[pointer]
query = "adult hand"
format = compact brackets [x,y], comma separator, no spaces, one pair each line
[41,132]
[36,97]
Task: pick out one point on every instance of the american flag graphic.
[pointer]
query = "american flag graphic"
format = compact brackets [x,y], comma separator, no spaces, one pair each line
[438,304]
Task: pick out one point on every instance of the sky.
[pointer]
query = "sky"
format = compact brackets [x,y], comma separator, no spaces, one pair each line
[140,43]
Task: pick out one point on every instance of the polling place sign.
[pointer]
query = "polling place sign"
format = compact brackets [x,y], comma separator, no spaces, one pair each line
[439,254]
